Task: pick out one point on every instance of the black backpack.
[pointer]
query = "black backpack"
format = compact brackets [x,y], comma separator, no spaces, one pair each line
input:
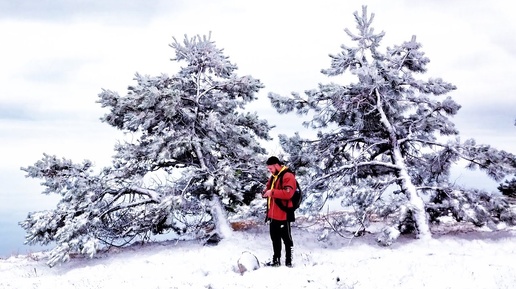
[296,199]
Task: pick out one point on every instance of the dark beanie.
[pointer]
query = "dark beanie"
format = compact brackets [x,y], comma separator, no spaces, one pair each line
[273,161]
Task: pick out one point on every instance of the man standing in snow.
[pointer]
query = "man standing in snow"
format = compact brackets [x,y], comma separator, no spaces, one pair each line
[279,190]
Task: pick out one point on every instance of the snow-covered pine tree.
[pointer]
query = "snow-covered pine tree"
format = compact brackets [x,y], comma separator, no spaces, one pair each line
[193,122]
[385,143]
[192,157]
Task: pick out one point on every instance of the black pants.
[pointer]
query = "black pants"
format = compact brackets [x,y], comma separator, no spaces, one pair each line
[280,231]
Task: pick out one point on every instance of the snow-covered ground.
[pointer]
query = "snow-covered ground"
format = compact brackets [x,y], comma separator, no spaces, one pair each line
[469,260]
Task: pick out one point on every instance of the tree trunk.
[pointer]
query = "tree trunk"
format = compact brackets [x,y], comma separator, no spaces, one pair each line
[222,226]
[416,203]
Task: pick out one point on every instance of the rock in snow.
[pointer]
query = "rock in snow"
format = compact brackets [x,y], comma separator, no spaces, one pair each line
[247,262]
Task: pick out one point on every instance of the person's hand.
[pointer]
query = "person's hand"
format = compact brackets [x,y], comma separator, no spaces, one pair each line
[267,193]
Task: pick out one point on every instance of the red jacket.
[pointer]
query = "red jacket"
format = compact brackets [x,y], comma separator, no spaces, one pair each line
[283,190]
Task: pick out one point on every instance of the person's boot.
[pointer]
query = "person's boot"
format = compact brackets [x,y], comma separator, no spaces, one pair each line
[288,256]
[275,262]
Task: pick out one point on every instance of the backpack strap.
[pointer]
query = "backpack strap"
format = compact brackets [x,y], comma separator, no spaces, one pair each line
[279,202]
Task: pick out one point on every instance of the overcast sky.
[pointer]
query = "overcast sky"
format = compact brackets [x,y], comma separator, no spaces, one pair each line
[56,56]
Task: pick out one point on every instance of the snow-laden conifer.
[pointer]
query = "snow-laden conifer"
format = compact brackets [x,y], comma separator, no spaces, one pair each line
[385,141]
[191,156]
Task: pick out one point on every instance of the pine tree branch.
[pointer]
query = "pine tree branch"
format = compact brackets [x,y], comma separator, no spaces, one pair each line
[153,198]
